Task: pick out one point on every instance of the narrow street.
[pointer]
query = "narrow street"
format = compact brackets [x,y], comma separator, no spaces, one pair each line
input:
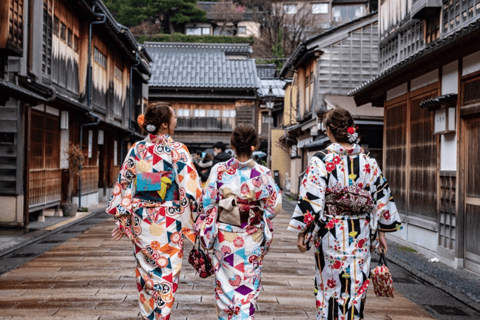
[90,276]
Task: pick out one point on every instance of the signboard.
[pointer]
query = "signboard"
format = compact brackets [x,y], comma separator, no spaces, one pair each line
[444,120]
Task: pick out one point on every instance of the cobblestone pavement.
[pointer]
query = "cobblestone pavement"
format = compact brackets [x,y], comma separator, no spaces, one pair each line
[92,277]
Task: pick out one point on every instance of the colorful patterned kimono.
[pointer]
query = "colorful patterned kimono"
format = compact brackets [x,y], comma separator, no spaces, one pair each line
[332,195]
[239,201]
[155,202]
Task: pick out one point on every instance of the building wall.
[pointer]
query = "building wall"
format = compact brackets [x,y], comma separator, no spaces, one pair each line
[280,157]
[253,28]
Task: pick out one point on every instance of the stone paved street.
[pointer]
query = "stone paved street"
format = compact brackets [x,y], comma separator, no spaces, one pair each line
[92,277]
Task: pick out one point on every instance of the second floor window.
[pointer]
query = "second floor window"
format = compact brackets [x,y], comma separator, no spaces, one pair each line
[197,31]
[242,30]
[347,13]
[100,58]
[290,8]
[320,8]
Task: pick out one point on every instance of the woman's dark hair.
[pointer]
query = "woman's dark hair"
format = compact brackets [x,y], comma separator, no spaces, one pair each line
[208,157]
[243,138]
[156,114]
[339,120]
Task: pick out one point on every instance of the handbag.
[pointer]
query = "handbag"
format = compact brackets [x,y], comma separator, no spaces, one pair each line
[200,260]
[382,278]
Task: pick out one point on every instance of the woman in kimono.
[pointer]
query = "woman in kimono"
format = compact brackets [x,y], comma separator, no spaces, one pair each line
[155,203]
[344,203]
[240,199]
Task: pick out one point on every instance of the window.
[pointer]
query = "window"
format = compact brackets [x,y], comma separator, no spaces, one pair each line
[229,113]
[242,30]
[199,113]
[100,58]
[290,8]
[320,8]
[347,13]
[56,27]
[197,31]
[75,43]
[70,38]
[63,31]
[213,113]
[432,28]
[183,113]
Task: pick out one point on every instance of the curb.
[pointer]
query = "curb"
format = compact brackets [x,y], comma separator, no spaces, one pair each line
[43,233]
[458,295]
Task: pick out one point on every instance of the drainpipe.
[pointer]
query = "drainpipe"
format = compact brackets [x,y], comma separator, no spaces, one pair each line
[137,63]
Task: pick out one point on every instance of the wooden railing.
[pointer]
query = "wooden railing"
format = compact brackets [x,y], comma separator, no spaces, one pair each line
[45,186]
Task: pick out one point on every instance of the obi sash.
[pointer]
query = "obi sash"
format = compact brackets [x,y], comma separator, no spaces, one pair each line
[153,185]
[349,200]
[239,212]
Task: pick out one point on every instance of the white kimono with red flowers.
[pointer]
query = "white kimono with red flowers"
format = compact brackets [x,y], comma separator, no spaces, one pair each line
[343,240]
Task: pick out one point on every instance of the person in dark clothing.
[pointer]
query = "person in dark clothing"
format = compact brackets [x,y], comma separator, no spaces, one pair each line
[220,156]
[204,167]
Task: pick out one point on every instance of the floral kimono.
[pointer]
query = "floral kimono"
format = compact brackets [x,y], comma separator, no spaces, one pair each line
[346,197]
[239,201]
[155,202]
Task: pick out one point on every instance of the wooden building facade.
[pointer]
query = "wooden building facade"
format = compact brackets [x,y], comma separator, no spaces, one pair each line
[211,87]
[67,68]
[429,88]
[323,69]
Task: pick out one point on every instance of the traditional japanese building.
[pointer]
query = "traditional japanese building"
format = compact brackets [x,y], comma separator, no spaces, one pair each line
[429,87]
[69,73]
[212,87]
[323,70]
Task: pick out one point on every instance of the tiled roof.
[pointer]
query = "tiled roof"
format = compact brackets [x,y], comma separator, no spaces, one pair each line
[277,88]
[199,65]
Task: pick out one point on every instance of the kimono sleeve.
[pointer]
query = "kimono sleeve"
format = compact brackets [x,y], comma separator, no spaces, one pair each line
[385,216]
[190,191]
[121,199]
[311,200]
[207,222]
[273,203]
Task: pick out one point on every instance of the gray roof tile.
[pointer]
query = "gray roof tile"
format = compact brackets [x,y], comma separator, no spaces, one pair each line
[187,65]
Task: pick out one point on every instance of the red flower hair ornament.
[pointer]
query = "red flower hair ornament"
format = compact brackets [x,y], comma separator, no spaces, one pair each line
[352,135]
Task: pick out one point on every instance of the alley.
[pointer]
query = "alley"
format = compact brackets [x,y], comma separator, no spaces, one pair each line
[91,277]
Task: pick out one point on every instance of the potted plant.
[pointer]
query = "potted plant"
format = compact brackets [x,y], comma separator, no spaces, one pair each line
[75,158]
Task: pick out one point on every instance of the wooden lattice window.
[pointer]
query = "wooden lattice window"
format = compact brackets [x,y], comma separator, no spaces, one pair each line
[471,92]
[100,58]
[70,38]
[44,141]
[63,31]
[47,38]
[432,28]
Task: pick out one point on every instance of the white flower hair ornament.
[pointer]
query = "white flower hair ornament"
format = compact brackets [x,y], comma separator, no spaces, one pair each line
[150,128]
[353,135]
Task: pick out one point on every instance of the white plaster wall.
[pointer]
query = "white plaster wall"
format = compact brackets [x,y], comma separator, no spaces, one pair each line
[87,199]
[448,152]
[348,103]
[424,80]
[422,237]
[296,165]
[450,78]
[11,210]
[397,91]
[471,63]
[64,141]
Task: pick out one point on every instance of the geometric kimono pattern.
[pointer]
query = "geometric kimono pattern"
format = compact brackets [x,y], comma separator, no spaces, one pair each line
[155,202]
[343,242]
[238,250]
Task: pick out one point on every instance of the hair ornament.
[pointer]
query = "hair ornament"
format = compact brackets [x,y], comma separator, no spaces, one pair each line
[151,128]
[141,120]
[353,135]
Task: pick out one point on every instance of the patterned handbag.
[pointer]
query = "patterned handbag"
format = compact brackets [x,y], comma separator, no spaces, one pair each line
[382,278]
[201,261]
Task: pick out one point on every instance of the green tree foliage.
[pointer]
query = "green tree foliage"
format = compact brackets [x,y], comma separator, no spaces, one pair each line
[179,37]
[132,12]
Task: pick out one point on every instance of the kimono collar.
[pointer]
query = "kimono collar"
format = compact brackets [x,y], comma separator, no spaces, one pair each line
[337,148]
[160,139]
[234,163]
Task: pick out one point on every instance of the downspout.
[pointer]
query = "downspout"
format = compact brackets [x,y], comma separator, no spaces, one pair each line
[130,102]
[89,96]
